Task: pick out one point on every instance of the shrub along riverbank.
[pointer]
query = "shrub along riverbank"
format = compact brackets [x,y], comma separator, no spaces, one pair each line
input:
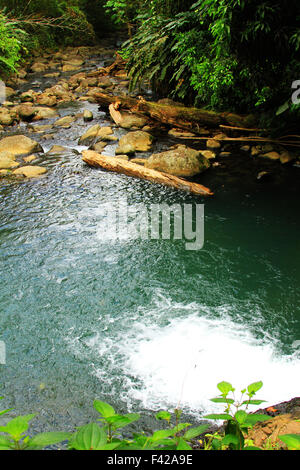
[240,432]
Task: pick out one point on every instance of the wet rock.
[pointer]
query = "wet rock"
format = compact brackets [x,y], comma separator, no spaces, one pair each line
[57,150]
[30,171]
[89,82]
[270,155]
[19,145]
[41,129]
[208,154]
[26,112]
[246,148]
[29,95]
[88,115]
[104,82]
[132,142]
[97,133]
[46,99]
[98,146]
[9,92]
[6,118]
[45,113]
[126,120]
[65,121]
[38,67]
[180,161]
[286,157]
[180,134]
[29,159]
[262,175]
[213,144]
[224,154]
[7,161]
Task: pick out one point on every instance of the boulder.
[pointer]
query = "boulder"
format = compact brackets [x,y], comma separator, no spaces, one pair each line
[179,161]
[7,161]
[19,145]
[132,142]
[26,112]
[213,144]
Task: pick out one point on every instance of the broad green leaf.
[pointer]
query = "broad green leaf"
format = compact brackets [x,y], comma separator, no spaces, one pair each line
[120,421]
[48,438]
[5,443]
[104,408]
[89,437]
[241,416]
[225,388]
[253,402]
[282,108]
[17,426]
[163,415]
[253,388]
[291,440]
[162,434]
[230,439]
[222,400]
[222,416]
[182,445]
[195,432]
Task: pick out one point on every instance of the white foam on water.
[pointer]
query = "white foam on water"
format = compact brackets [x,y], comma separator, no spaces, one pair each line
[181,364]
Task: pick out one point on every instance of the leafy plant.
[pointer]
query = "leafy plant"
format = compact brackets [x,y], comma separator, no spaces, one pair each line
[292,441]
[236,415]
[16,438]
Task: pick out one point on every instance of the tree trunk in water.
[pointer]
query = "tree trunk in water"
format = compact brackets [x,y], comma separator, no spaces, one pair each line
[132,169]
[174,114]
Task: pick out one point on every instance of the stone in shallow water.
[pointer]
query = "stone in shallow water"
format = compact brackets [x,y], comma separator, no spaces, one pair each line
[65,121]
[57,150]
[138,141]
[19,145]
[179,161]
[30,171]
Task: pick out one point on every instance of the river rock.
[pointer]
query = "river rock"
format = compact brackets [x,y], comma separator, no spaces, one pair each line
[29,95]
[29,159]
[6,118]
[286,157]
[38,67]
[98,146]
[45,113]
[26,112]
[7,161]
[57,150]
[132,142]
[88,115]
[98,133]
[180,134]
[65,121]
[181,161]
[30,171]
[270,155]
[19,145]
[213,144]
[125,119]
[208,154]
[47,99]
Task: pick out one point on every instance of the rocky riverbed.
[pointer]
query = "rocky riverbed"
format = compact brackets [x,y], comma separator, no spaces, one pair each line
[53,99]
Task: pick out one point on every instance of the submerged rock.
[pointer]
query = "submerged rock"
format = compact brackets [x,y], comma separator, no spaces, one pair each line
[30,171]
[98,133]
[180,161]
[127,120]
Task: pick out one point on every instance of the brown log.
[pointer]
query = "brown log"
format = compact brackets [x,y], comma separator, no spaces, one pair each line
[132,169]
[174,114]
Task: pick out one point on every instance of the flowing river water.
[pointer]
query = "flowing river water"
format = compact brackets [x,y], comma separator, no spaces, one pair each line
[144,325]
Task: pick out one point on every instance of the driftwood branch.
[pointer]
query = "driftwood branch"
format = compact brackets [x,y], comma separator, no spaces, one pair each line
[132,169]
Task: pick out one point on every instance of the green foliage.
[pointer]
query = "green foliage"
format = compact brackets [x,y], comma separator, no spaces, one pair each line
[106,434]
[10,44]
[222,54]
[238,420]
[291,440]
[16,438]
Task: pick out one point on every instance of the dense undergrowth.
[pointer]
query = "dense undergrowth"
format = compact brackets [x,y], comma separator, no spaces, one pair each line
[30,25]
[226,55]
[106,434]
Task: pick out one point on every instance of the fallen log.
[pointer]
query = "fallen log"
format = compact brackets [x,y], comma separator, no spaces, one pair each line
[174,114]
[132,169]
